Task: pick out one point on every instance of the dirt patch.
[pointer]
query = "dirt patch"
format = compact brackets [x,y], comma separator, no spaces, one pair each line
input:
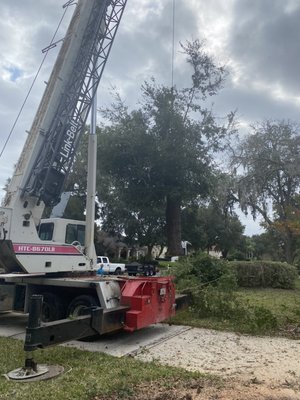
[269,360]
[205,390]
[250,368]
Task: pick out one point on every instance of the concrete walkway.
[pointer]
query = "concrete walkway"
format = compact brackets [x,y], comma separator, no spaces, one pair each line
[120,344]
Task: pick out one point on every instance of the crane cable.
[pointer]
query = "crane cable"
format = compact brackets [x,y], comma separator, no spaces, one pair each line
[173,44]
[35,78]
[172,69]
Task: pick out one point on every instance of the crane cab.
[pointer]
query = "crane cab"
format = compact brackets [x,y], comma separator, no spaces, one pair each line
[62,230]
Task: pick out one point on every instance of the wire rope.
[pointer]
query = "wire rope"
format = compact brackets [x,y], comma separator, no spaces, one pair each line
[173,44]
[172,68]
[32,84]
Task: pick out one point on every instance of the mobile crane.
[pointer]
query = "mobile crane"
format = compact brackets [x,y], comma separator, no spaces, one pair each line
[49,270]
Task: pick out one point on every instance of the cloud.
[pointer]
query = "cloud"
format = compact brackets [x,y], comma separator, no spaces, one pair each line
[143,46]
[264,43]
[26,27]
[258,40]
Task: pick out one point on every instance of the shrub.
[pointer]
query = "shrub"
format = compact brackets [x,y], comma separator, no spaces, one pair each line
[296,261]
[223,302]
[261,319]
[217,301]
[211,285]
[265,274]
[200,268]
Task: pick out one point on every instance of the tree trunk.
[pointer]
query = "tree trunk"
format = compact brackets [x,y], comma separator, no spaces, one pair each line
[173,222]
[149,254]
[224,253]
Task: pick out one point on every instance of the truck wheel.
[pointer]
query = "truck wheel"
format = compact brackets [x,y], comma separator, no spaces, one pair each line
[118,271]
[81,306]
[149,271]
[53,307]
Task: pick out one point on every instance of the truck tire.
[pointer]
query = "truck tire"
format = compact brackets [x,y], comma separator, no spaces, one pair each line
[53,307]
[81,305]
[118,271]
[149,271]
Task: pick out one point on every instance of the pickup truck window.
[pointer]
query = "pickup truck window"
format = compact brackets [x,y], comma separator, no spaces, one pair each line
[105,260]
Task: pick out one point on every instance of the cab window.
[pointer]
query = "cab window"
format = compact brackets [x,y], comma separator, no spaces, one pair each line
[46,231]
[75,233]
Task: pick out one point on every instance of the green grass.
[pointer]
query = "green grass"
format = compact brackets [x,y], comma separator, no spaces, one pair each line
[87,374]
[284,306]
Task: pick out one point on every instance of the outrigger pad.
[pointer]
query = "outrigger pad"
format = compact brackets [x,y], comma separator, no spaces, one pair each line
[42,372]
[8,259]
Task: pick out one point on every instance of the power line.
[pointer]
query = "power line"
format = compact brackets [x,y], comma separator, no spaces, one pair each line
[32,84]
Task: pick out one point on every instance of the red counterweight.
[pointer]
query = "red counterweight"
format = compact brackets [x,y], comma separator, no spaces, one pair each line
[151,300]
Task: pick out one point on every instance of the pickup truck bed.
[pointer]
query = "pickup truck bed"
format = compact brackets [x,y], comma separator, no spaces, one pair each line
[145,269]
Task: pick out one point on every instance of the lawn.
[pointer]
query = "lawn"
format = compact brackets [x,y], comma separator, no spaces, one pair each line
[282,305]
[87,375]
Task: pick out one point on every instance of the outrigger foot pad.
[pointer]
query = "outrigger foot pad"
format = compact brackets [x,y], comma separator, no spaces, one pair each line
[38,373]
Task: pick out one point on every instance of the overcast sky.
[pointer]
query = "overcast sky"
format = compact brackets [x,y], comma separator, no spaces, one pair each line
[258,41]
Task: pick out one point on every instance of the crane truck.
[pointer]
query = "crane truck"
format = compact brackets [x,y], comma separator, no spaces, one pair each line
[49,265]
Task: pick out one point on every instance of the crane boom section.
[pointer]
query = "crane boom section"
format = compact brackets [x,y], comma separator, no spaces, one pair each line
[50,148]
[51,145]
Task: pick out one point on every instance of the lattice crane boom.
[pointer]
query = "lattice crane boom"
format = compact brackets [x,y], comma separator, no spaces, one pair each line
[59,122]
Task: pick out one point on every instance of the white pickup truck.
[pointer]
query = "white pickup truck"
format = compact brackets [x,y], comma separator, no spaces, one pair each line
[107,267]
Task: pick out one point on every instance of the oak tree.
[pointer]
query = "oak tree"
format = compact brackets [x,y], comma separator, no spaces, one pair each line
[160,155]
[267,168]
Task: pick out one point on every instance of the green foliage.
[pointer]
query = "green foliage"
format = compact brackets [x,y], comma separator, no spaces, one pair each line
[159,156]
[207,226]
[194,273]
[296,261]
[270,173]
[227,305]
[268,246]
[260,318]
[212,287]
[200,269]
[210,283]
[208,269]
[265,274]
[217,301]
